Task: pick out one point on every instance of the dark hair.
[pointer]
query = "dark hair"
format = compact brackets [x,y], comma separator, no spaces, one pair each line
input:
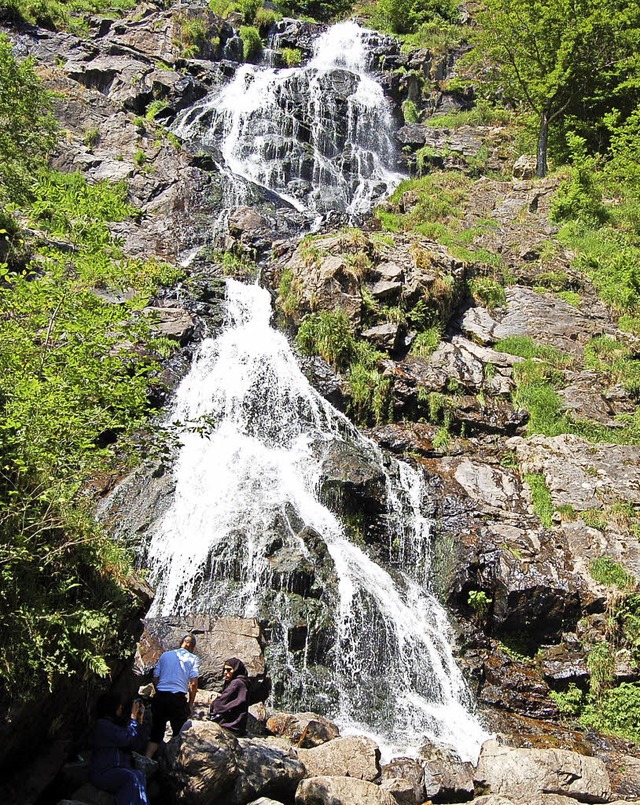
[190,637]
[108,704]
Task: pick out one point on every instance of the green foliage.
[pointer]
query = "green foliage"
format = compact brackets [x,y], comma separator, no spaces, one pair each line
[618,361]
[155,107]
[251,43]
[479,602]
[438,36]
[406,16]
[484,113]
[194,35]
[526,347]
[608,572]
[288,294]
[410,111]
[73,386]
[370,390]
[617,712]
[570,702]
[426,342]
[329,335]
[541,497]
[64,14]
[264,20]
[601,663]
[487,292]
[27,127]
[320,10]
[91,137]
[292,57]
[579,198]
[560,60]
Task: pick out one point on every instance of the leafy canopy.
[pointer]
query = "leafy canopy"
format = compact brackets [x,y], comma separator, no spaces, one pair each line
[561,59]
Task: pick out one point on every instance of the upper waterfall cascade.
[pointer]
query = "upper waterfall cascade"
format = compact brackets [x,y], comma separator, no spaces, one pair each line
[254,437]
[317,137]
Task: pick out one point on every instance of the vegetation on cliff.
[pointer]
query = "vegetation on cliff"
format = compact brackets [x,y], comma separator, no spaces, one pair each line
[74,379]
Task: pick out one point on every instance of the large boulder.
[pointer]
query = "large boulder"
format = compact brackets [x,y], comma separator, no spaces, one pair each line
[306,730]
[354,756]
[266,767]
[521,774]
[206,763]
[328,790]
[218,639]
[202,762]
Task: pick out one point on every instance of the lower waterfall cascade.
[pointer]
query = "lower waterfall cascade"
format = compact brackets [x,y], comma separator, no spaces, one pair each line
[254,435]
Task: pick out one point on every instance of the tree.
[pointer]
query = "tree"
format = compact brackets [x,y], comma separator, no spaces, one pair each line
[558,57]
[27,126]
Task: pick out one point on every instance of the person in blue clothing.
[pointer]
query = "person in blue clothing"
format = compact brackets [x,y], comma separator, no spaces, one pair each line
[114,738]
[175,679]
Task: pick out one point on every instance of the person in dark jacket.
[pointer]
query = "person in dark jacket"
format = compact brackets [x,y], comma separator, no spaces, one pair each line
[114,738]
[231,707]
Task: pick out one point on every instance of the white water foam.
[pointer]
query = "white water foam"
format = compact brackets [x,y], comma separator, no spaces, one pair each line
[253,452]
[318,137]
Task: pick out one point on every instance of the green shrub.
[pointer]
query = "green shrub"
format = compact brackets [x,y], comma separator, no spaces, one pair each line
[617,712]
[487,292]
[251,43]
[426,342]
[74,388]
[542,501]
[28,130]
[248,9]
[410,112]
[601,663]
[328,334]
[292,57]
[155,107]
[264,19]
[570,702]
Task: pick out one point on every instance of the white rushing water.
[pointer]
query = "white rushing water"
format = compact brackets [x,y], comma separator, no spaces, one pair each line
[319,137]
[252,456]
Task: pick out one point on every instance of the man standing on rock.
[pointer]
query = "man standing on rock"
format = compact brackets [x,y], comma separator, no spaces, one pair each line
[175,676]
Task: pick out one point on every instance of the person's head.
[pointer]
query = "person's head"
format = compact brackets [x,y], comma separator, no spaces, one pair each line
[233,667]
[189,643]
[111,705]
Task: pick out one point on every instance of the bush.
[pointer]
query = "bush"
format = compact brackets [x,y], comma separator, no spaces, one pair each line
[617,711]
[251,43]
[329,335]
[28,131]
[488,292]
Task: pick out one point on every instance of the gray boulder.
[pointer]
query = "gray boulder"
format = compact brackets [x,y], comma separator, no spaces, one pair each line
[341,791]
[521,774]
[354,756]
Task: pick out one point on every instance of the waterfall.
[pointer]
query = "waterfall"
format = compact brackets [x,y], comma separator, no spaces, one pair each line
[318,138]
[255,436]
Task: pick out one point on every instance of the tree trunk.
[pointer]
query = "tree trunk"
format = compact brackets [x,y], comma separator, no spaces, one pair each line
[543,137]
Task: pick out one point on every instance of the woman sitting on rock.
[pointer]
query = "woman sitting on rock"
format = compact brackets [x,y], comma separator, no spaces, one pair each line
[114,739]
[231,707]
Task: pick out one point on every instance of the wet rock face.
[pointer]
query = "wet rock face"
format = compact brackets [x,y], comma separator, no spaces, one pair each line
[217,640]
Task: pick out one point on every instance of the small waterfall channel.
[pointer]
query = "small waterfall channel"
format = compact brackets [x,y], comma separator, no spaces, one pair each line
[316,138]
[255,440]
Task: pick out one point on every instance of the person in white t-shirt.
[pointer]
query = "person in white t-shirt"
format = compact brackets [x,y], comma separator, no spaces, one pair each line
[175,679]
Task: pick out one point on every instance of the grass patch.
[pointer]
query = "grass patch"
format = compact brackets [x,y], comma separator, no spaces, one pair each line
[610,573]
[541,497]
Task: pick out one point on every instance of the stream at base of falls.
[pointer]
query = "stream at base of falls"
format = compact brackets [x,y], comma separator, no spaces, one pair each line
[252,532]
